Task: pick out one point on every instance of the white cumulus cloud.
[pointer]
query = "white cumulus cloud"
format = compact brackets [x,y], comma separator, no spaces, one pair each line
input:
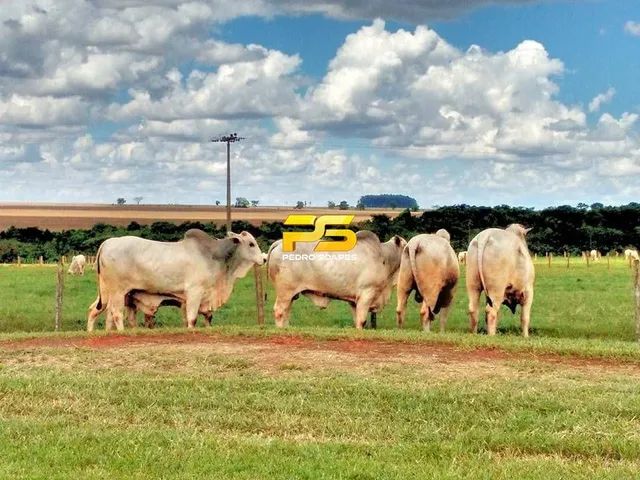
[601,99]
[632,28]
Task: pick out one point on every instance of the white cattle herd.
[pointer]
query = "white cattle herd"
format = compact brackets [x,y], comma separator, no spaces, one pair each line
[197,274]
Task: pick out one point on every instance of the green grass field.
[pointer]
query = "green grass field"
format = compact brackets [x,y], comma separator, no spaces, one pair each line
[578,302]
[322,400]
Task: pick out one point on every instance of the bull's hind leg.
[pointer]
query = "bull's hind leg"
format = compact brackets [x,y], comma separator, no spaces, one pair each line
[94,311]
[445,299]
[207,318]
[405,284]
[474,306]
[149,320]
[281,310]
[525,312]
[493,310]
[426,316]
[444,315]
[131,317]
[116,306]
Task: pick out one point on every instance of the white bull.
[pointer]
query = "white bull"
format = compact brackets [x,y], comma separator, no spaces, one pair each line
[429,267]
[364,279]
[199,271]
[499,263]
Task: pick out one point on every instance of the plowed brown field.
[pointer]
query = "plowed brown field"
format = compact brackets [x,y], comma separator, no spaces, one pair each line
[67,216]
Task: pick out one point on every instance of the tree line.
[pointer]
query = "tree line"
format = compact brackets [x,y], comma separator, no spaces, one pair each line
[556,229]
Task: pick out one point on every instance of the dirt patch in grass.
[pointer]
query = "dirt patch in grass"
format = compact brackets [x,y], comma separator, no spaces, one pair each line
[276,349]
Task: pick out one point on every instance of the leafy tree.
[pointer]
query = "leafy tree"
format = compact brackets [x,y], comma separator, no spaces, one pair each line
[343,205]
[242,202]
[217,203]
[299,205]
[137,200]
[388,201]
[254,203]
[360,205]
[331,204]
[121,201]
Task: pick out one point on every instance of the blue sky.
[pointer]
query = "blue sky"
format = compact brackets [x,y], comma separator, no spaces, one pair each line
[336,100]
[587,36]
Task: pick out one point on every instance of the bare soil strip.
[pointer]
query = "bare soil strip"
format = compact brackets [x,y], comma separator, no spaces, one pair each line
[361,349]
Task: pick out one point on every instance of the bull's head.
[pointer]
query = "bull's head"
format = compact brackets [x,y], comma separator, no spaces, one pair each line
[246,247]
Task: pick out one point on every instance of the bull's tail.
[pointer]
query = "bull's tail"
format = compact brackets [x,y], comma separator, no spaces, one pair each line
[99,299]
[417,274]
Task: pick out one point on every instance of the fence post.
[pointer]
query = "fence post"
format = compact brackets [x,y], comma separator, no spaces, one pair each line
[20,261]
[608,263]
[59,294]
[257,272]
[549,257]
[636,292]
[568,258]
[586,255]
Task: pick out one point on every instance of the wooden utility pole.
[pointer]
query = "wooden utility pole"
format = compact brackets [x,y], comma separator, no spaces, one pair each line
[228,139]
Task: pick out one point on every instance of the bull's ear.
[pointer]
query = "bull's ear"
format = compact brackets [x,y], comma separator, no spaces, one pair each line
[235,240]
[244,233]
[229,234]
[398,240]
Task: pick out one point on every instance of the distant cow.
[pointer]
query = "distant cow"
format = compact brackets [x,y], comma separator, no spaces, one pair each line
[429,267]
[364,280]
[499,263]
[199,271]
[595,255]
[78,262]
[462,258]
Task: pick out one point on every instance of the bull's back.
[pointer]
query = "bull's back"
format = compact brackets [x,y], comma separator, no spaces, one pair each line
[504,262]
[335,277]
[147,264]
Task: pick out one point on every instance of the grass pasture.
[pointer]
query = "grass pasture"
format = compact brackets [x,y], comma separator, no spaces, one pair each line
[578,302]
[321,400]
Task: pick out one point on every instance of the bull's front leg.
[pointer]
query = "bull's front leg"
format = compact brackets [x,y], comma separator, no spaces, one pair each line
[363,305]
[192,307]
